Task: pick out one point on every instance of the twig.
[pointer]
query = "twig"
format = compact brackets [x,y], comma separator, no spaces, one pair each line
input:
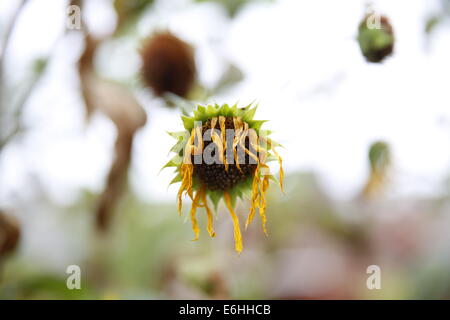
[5,44]
[120,106]
[19,109]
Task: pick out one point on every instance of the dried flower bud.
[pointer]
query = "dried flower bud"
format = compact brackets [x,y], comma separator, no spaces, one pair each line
[168,65]
[9,234]
[376,38]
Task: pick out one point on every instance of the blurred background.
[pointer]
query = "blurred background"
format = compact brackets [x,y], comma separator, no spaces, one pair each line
[83,138]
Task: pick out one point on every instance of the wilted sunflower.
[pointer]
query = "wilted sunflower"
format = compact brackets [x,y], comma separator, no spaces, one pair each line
[168,64]
[223,154]
[376,38]
[380,162]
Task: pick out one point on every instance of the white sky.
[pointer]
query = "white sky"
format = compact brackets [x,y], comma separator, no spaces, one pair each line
[301,63]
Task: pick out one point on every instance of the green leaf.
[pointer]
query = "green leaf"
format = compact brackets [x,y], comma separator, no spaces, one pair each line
[432,23]
[40,65]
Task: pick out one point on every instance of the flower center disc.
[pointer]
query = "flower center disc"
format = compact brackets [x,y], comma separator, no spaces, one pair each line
[214,176]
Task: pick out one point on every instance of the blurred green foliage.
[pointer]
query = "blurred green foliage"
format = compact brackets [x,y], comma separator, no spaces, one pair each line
[232,6]
[379,157]
[129,12]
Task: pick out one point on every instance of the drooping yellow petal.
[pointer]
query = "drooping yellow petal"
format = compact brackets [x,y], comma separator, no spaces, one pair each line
[280,162]
[216,139]
[237,135]
[188,148]
[218,142]
[244,135]
[213,123]
[222,120]
[262,206]
[237,230]
[210,216]
[270,145]
[251,214]
[186,171]
[258,199]
[255,197]
[195,204]
[251,154]
[262,213]
[198,149]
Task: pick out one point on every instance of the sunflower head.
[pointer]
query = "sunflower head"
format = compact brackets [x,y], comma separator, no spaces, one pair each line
[376,38]
[222,153]
[168,64]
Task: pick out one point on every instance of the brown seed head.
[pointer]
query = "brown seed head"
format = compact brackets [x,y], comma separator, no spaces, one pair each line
[214,176]
[9,234]
[168,65]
